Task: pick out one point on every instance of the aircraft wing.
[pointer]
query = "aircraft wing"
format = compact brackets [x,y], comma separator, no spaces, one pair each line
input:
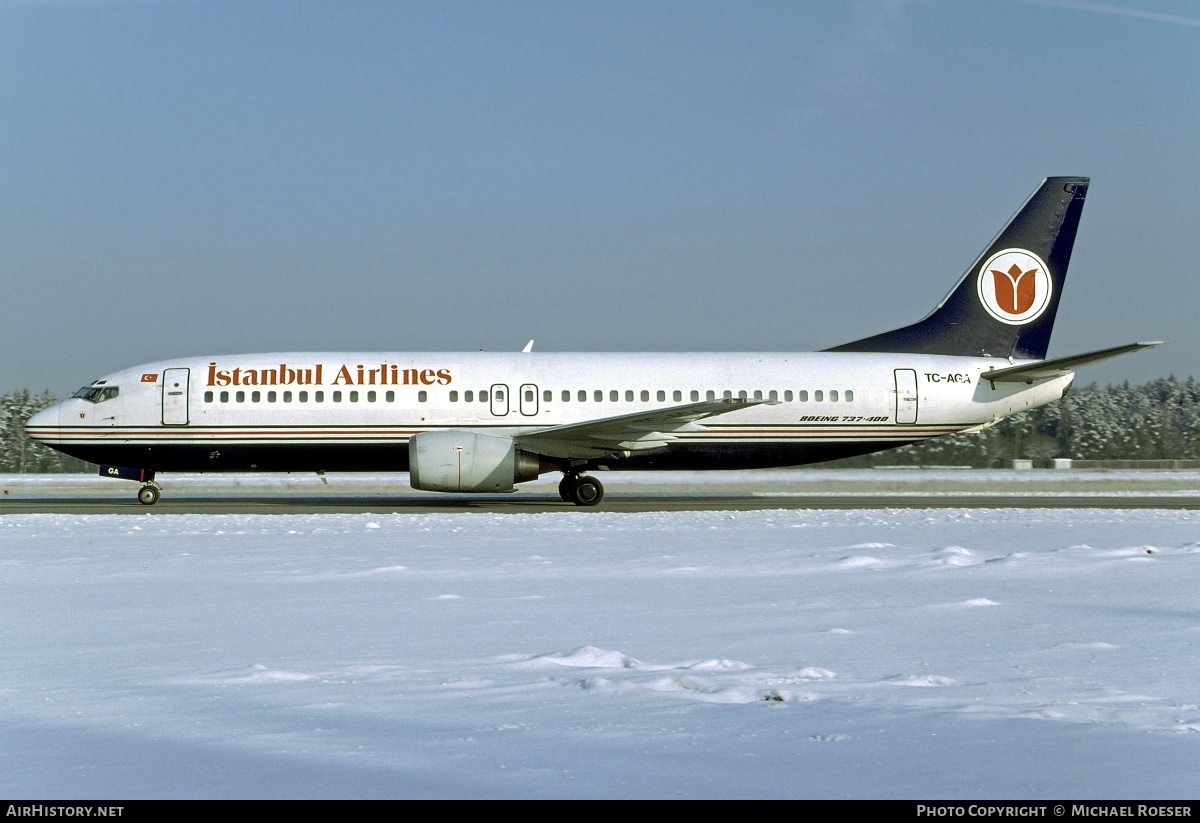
[1028,372]
[639,431]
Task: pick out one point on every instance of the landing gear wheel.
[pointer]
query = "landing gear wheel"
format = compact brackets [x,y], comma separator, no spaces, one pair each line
[587,492]
[148,495]
[566,487]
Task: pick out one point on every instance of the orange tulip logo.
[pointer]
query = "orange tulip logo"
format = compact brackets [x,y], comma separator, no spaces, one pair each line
[1014,286]
[1015,289]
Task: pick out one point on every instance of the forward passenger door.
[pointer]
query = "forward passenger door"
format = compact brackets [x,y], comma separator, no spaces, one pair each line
[175,397]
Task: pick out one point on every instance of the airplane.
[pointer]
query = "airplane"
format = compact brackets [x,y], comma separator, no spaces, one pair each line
[485,422]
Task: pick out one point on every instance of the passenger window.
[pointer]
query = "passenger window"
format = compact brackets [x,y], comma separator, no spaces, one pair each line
[390,397]
[255,397]
[371,397]
[287,397]
[613,397]
[337,397]
[598,396]
[271,397]
[528,395]
[319,397]
[303,397]
[787,395]
[483,396]
[208,397]
[710,395]
[728,394]
[224,397]
[629,395]
[566,396]
[833,396]
[742,395]
[240,397]
[453,397]
[645,396]
[849,396]
[548,395]
[818,396]
[423,395]
[353,397]
[695,395]
[677,395]
[497,394]
[468,397]
[582,396]
[758,394]
[804,395]
[774,395]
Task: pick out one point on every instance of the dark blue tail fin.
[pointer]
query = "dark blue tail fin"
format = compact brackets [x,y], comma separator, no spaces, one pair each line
[1004,306]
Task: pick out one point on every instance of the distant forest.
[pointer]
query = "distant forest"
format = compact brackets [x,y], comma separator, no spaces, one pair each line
[1158,420]
[19,454]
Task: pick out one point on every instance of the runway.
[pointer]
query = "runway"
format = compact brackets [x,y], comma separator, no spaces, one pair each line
[540,504]
[625,492]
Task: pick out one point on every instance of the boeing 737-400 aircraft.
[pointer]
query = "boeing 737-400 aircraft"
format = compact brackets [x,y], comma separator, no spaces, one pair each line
[483,422]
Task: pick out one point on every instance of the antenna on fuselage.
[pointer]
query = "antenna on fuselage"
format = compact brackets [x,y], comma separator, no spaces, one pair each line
[528,347]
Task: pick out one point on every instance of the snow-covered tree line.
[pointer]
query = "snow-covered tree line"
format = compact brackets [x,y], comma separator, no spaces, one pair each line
[1154,421]
[1159,420]
[19,454]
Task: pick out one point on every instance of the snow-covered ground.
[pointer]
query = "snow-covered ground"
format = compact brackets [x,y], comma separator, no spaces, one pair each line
[941,653]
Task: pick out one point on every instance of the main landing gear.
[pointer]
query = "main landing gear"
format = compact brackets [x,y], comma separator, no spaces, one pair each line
[580,489]
[148,494]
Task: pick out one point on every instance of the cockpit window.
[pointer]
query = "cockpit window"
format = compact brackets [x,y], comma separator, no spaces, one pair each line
[97,394]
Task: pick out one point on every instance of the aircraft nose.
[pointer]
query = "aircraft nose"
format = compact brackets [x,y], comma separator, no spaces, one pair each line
[43,423]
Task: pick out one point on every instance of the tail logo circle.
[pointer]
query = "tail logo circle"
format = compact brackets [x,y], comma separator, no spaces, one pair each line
[1015,286]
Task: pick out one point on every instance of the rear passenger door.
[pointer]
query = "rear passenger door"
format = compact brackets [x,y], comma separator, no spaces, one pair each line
[906,396]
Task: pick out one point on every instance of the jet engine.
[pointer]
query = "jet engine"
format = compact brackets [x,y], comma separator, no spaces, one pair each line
[460,461]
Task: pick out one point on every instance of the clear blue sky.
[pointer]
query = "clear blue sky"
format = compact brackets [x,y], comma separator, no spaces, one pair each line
[186,178]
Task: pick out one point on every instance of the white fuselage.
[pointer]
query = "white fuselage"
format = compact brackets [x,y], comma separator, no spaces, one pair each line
[346,411]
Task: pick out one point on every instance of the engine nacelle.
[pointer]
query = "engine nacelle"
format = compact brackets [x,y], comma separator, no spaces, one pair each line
[458,461]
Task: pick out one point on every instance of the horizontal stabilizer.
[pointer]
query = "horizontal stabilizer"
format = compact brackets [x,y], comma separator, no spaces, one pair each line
[1045,369]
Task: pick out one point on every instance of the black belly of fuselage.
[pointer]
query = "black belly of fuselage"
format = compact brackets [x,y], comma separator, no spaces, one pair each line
[375,457]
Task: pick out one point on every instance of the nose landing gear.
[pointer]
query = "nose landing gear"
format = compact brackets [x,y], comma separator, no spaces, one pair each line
[150,491]
[580,489]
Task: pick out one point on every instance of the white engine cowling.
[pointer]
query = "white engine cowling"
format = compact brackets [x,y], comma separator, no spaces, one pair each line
[458,461]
